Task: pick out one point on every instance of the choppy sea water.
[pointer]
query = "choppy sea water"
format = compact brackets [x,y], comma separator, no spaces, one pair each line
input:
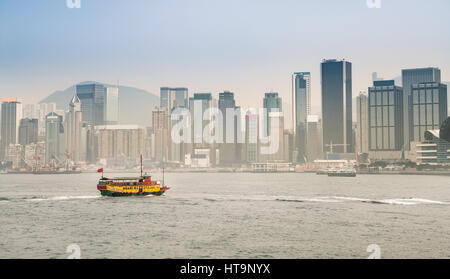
[228,215]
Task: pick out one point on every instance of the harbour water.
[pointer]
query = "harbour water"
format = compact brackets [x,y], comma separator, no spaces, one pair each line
[228,215]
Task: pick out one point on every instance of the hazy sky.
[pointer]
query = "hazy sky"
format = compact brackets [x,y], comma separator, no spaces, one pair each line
[246,46]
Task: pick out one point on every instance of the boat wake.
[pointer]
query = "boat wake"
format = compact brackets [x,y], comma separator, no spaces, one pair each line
[402,201]
[62,198]
[3,200]
[324,199]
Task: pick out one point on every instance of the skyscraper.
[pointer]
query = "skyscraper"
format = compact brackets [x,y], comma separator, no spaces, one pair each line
[73,129]
[272,103]
[385,116]
[174,97]
[228,148]
[181,97]
[54,137]
[336,81]
[198,105]
[118,142]
[429,102]
[170,100]
[301,108]
[362,123]
[28,131]
[92,97]
[314,140]
[410,77]
[10,121]
[251,137]
[160,129]
[274,121]
[111,106]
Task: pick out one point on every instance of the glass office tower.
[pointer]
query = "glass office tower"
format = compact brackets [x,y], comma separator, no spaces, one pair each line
[174,97]
[429,102]
[336,81]
[10,121]
[409,78]
[271,103]
[54,137]
[385,116]
[301,108]
[92,97]
[228,147]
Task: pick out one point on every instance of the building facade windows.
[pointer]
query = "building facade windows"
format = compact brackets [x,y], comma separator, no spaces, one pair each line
[385,118]
[429,108]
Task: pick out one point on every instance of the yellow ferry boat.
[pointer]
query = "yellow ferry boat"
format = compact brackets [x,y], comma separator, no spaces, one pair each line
[130,186]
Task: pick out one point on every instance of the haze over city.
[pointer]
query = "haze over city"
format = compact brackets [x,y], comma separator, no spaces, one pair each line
[248,47]
[224,129]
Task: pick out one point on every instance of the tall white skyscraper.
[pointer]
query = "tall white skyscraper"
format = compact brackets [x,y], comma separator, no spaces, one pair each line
[111,107]
[73,131]
[362,123]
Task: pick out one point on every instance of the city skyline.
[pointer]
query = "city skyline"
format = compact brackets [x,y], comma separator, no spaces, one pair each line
[251,64]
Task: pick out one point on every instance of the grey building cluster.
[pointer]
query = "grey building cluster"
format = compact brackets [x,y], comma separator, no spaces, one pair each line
[51,137]
[390,119]
[394,118]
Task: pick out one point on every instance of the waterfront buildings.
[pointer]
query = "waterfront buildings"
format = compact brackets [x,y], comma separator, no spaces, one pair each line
[170,100]
[434,149]
[160,128]
[198,105]
[199,158]
[54,138]
[92,97]
[314,138]
[39,111]
[230,146]
[251,137]
[429,108]
[274,128]
[409,78]
[119,143]
[11,115]
[201,123]
[271,103]
[75,139]
[174,97]
[336,81]
[385,116]
[111,106]
[301,108]
[362,124]
[28,131]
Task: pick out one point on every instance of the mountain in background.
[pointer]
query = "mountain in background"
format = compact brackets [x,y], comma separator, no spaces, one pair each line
[135,105]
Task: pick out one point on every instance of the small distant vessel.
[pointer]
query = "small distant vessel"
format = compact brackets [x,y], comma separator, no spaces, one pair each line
[131,186]
[347,170]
